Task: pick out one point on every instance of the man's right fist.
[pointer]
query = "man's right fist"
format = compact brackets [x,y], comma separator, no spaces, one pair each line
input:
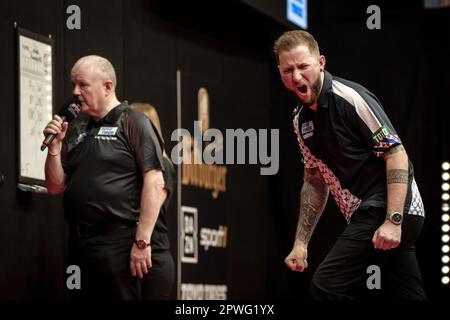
[56,127]
[297,260]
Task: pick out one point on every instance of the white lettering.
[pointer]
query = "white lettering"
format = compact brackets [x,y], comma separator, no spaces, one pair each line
[189,151]
[213,238]
[373,21]
[74,280]
[197,291]
[74,20]
[374,281]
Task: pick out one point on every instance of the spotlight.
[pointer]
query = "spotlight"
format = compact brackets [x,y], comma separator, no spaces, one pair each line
[445,166]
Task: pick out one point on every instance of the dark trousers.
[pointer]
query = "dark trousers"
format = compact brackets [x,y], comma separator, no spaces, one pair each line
[157,283]
[104,261]
[344,273]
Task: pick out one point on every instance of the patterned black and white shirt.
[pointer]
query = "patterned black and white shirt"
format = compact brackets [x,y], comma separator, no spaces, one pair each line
[346,139]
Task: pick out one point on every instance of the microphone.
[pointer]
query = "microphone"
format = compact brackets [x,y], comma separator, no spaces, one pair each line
[68,112]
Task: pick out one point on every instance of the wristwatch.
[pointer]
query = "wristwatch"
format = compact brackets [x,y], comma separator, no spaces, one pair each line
[141,244]
[394,217]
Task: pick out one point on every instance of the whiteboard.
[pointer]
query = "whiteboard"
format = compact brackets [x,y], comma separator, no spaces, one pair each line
[35,68]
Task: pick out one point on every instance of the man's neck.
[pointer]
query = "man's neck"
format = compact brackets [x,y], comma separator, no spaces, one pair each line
[313,107]
[110,105]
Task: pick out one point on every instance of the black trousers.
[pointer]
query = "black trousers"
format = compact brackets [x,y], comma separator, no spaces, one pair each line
[104,261]
[157,283]
[344,273]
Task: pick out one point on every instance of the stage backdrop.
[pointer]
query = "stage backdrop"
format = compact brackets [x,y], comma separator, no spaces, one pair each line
[202,203]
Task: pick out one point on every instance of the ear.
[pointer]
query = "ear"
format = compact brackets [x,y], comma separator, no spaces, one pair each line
[322,62]
[109,87]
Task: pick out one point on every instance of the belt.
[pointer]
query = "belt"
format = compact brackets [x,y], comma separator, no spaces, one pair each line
[86,231]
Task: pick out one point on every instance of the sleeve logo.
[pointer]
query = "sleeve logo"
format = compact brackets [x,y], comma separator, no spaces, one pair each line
[380,135]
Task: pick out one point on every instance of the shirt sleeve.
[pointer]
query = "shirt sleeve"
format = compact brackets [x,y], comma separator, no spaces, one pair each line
[372,123]
[144,142]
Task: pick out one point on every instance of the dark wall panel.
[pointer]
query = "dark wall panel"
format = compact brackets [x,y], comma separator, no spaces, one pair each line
[32,226]
[101,33]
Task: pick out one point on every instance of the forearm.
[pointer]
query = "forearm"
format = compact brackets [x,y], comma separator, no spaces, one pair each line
[152,197]
[396,179]
[313,198]
[54,173]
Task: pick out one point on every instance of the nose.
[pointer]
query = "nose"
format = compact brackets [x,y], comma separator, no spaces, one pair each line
[297,75]
[76,90]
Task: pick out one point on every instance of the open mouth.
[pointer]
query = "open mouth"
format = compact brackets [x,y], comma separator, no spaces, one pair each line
[302,89]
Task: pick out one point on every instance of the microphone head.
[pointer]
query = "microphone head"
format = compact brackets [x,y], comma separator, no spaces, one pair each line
[70,109]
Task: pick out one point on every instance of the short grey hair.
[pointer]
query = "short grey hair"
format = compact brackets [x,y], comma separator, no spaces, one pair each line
[101,65]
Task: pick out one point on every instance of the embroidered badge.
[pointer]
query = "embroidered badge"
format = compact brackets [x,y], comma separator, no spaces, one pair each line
[307,129]
[107,131]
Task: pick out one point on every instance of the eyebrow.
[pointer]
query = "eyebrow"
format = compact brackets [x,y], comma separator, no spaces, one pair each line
[290,66]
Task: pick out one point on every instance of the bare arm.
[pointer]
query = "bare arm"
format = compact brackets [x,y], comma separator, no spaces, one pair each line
[152,197]
[388,235]
[54,173]
[397,178]
[313,198]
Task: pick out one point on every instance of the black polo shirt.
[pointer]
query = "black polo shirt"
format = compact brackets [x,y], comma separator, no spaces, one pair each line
[346,139]
[104,162]
[160,236]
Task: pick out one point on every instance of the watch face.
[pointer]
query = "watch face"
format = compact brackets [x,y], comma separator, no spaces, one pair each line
[141,244]
[396,218]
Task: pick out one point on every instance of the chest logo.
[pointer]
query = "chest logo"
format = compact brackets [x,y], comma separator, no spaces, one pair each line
[107,131]
[307,129]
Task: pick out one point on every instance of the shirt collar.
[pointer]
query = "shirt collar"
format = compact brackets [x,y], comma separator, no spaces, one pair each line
[112,116]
